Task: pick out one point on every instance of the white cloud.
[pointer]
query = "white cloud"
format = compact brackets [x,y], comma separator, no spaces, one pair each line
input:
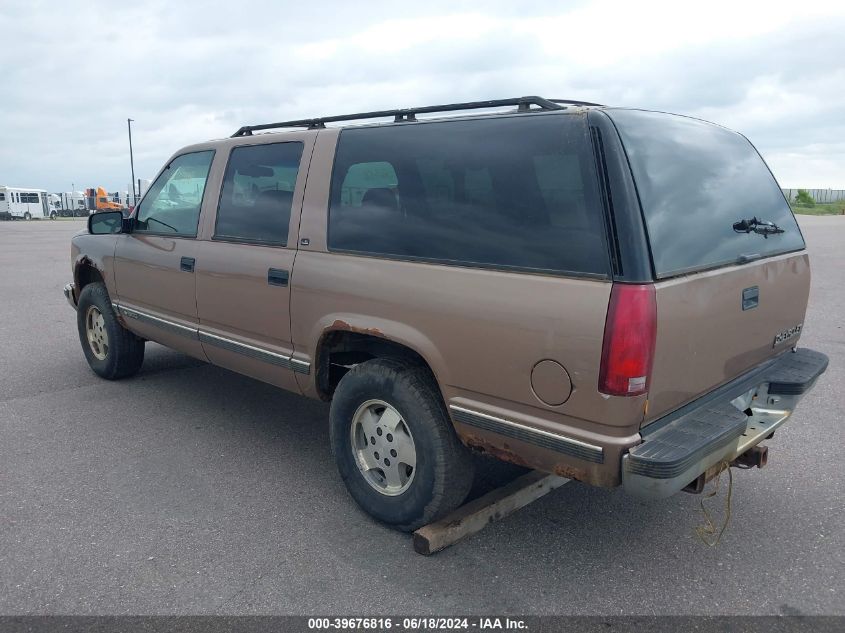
[73,72]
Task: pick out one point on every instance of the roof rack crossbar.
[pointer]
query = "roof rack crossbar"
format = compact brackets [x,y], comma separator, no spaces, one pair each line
[409,114]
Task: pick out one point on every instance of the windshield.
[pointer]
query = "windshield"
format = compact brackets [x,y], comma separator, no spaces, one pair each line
[696,180]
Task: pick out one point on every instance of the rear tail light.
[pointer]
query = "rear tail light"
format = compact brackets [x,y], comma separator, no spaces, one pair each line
[629,334]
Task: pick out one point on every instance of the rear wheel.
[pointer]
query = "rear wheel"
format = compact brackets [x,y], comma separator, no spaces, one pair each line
[111,350]
[394,445]
[27,216]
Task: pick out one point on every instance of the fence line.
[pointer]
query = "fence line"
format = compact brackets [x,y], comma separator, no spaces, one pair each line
[821,196]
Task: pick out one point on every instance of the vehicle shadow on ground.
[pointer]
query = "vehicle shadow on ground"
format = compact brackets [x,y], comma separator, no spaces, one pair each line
[270,420]
[241,390]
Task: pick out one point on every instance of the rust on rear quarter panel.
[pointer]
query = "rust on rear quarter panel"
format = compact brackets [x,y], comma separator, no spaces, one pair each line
[606,475]
[565,470]
[346,327]
[503,453]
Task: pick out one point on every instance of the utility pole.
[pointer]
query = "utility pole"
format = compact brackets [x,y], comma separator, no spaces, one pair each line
[132,162]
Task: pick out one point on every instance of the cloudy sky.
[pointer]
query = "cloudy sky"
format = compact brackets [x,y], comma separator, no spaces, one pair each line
[188,71]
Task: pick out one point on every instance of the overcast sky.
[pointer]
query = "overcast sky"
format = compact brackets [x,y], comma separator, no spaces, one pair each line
[189,71]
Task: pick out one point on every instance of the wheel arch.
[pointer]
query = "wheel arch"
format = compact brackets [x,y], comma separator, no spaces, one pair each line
[348,341]
[86,272]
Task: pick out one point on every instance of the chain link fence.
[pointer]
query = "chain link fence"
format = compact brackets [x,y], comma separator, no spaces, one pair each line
[821,196]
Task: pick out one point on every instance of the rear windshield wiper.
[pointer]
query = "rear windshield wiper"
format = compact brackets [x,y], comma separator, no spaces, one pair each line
[754,225]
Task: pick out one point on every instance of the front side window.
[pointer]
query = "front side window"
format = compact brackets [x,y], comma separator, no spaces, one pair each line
[2,197]
[257,194]
[172,205]
[512,192]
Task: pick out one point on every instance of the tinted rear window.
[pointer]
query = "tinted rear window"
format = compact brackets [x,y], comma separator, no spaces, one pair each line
[695,180]
[515,192]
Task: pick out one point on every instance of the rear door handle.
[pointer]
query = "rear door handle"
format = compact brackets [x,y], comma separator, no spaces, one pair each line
[277,277]
[186,264]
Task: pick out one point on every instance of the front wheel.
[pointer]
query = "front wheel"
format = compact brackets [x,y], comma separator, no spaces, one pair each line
[111,350]
[394,444]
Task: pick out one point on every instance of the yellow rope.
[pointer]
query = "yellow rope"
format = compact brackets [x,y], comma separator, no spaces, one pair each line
[708,533]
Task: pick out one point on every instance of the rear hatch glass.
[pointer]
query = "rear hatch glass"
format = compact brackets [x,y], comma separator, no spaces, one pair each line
[696,180]
[741,290]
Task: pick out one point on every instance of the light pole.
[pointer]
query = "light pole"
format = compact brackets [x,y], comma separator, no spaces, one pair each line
[132,162]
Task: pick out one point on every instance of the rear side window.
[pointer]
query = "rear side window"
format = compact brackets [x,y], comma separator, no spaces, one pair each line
[257,194]
[510,192]
[695,181]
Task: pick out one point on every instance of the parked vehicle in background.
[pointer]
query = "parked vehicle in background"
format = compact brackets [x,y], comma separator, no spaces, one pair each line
[100,200]
[23,203]
[140,188]
[73,204]
[54,204]
[611,295]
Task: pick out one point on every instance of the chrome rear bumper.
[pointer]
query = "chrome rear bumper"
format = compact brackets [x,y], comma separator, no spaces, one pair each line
[677,449]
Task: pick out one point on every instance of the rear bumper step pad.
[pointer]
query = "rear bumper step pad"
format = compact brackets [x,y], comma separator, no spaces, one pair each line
[794,374]
[679,445]
[687,442]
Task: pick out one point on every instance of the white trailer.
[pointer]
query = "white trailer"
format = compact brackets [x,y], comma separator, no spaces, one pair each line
[141,187]
[23,203]
[73,204]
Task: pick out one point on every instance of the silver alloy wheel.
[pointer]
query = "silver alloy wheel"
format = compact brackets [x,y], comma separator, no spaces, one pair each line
[95,331]
[383,447]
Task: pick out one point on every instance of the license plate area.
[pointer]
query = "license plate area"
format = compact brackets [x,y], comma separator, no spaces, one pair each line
[768,412]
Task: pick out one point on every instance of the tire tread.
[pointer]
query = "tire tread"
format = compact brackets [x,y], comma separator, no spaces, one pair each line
[453,466]
[127,349]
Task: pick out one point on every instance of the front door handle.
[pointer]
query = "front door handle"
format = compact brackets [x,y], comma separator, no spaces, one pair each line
[277,277]
[186,264]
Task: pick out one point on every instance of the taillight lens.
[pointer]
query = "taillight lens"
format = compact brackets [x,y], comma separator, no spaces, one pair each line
[628,347]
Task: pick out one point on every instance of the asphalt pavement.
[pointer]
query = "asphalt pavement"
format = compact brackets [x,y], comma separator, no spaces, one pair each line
[191,490]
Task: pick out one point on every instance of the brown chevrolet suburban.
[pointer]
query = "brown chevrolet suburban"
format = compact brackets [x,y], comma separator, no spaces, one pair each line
[612,295]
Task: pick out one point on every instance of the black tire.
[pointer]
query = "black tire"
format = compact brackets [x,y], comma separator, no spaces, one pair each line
[125,351]
[27,216]
[52,215]
[443,473]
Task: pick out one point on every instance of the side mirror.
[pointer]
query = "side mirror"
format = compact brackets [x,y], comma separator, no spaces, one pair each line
[105,223]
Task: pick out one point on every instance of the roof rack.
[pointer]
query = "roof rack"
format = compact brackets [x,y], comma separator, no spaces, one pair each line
[578,103]
[409,114]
